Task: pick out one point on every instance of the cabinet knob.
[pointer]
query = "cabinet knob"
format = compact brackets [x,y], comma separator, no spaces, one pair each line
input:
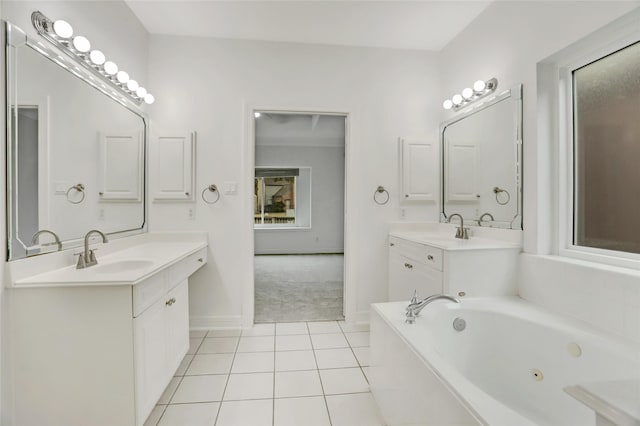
[408,266]
[200,260]
[186,193]
[170,301]
[391,244]
[429,257]
[406,195]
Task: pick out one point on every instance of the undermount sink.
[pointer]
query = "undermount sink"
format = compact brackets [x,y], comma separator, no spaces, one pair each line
[124,265]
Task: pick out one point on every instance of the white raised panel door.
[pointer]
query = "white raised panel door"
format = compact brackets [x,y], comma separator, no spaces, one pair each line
[150,358]
[462,171]
[407,275]
[177,318]
[174,168]
[121,165]
[419,170]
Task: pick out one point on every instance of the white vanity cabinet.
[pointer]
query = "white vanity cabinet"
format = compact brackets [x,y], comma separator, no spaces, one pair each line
[96,354]
[462,268]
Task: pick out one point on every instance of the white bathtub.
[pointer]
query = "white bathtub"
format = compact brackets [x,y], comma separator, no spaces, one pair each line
[507,368]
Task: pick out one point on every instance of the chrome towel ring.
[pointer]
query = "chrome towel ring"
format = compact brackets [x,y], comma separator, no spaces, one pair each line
[498,191]
[79,188]
[211,188]
[381,200]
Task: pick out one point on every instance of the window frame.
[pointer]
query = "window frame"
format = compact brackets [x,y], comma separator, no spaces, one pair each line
[617,39]
[264,225]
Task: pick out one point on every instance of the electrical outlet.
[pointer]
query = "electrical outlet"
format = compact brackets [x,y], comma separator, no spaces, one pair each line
[403,213]
[191,213]
[101,214]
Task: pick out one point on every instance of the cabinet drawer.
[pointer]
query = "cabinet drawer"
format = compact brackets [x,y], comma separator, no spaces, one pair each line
[148,292]
[181,271]
[427,255]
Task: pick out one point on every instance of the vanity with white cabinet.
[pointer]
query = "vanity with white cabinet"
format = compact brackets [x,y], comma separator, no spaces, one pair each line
[429,259]
[98,346]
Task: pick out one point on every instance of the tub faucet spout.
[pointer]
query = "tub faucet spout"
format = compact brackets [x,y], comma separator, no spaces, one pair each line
[414,308]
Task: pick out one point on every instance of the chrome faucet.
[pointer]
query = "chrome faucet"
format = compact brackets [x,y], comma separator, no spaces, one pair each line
[34,239]
[88,258]
[416,306]
[461,232]
[482,218]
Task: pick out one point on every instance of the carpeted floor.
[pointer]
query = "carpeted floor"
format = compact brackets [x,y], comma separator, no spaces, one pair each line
[298,287]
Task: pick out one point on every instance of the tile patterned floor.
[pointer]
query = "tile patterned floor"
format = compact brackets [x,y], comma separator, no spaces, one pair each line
[282,374]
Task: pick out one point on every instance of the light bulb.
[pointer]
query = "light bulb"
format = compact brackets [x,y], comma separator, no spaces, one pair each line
[257,114]
[110,68]
[456,99]
[132,85]
[479,86]
[62,29]
[97,57]
[81,44]
[467,93]
[141,92]
[122,77]
[447,104]
[148,98]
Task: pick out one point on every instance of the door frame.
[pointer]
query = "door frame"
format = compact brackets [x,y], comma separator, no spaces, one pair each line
[349,289]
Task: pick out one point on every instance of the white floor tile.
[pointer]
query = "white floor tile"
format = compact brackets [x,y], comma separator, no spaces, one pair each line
[357,409]
[293,343]
[311,411]
[343,380]
[289,328]
[246,413]
[335,358]
[249,386]
[362,354]
[197,333]
[329,341]
[169,390]
[155,415]
[260,330]
[256,344]
[190,414]
[297,383]
[353,327]
[323,327]
[210,364]
[218,345]
[365,370]
[194,343]
[253,362]
[182,368]
[224,332]
[295,360]
[358,339]
[200,389]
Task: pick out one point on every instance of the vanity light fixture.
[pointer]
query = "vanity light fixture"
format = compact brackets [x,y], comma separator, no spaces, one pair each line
[480,89]
[60,33]
[257,114]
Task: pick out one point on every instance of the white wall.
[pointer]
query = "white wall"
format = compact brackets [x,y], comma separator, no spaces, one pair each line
[108,24]
[209,85]
[507,41]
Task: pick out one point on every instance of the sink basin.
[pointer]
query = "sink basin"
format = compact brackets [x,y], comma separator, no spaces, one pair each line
[120,266]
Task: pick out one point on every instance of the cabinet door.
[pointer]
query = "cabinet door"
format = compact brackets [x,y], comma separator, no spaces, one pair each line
[174,168]
[177,317]
[150,355]
[419,170]
[406,276]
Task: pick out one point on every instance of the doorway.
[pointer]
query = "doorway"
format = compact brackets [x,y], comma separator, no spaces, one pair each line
[299,212]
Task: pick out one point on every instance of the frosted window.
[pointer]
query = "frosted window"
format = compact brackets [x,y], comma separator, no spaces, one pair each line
[607,152]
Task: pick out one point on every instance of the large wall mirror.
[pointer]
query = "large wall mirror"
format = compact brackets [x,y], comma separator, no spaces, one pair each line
[75,154]
[482,163]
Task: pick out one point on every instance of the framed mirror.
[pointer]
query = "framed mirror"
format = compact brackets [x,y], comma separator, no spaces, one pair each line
[481,162]
[76,153]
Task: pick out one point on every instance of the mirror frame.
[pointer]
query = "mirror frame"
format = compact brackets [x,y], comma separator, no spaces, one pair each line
[515,93]
[14,38]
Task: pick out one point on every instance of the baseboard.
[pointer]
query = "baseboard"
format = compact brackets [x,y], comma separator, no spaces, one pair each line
[362,317]
[211,322]
[301,251]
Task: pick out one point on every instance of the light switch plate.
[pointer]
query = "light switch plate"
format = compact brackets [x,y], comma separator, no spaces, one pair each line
[230,187]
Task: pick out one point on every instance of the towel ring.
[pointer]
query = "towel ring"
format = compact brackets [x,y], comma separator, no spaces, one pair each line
[211,188]
[497,191]
[380,190]
[78,187]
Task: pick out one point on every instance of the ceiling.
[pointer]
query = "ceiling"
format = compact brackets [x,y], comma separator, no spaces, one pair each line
[423,25]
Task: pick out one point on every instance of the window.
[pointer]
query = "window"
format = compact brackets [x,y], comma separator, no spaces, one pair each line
[606,152]
[275,196]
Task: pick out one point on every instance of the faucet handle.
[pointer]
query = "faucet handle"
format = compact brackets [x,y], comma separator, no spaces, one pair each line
[92,257]
[81,263]
[465,233]
[414,299]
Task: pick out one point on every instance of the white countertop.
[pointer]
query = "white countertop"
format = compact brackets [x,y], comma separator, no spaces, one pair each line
[123,263]
[449,242]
